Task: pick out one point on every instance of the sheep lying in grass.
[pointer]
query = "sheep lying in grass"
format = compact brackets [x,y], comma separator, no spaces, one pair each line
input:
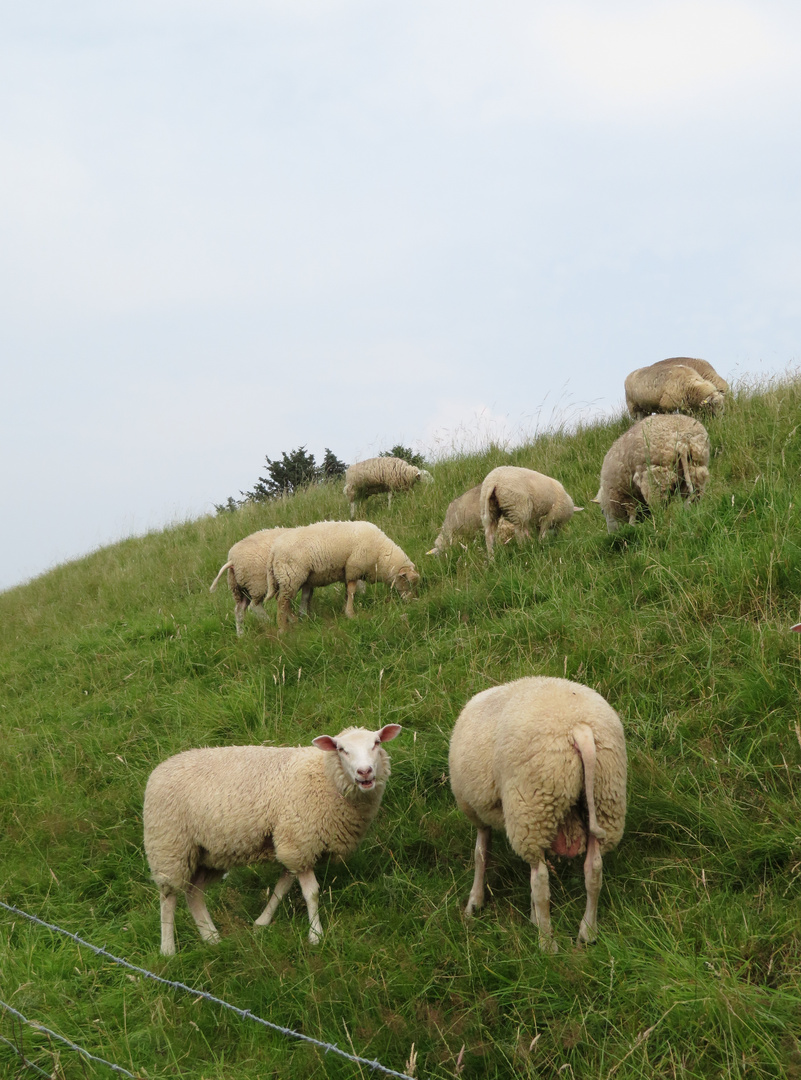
[374,475]
[329,551]
[656,458]
[667,387]
[463,521]
[209,810]
[523,498]
[545,760]
[249,578]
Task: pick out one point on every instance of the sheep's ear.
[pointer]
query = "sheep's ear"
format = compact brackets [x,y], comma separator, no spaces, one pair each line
[797,627]
[325,742]
[389,731]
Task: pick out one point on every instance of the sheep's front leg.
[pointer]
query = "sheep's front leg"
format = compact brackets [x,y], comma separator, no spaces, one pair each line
[311,892]
[483,846]
[197,905]
[351,586]
[593,879]
[282,887]
[540,905]
[168,903]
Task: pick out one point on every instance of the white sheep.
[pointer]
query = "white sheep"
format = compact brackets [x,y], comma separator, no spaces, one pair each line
[329,551]
[374,475]
[524,498]
[249,575]
[703,367]
[656,458]
[669,387]
[463,521]
[209,810]
[545,760]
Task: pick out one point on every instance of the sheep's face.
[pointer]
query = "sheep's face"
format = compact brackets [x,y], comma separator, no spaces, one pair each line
[361,757]
[405,580]
[425,477]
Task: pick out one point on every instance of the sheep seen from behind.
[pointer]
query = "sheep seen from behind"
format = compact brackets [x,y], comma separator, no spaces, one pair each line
[524,498]
[545,760]
[656,458]
[209,810]
[249,576]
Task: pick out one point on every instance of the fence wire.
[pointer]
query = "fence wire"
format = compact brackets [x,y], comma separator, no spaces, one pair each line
[54,1035]
[245,1014]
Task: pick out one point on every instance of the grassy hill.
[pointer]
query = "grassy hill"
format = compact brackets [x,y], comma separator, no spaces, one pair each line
[114,662]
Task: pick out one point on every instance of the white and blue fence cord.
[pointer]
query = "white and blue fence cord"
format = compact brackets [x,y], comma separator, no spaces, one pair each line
[246,1014]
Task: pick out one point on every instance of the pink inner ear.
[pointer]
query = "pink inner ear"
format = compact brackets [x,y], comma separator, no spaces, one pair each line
[797,627]
[324,742]
[389,731]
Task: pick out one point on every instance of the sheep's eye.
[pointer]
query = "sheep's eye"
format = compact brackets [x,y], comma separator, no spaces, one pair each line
[342,750]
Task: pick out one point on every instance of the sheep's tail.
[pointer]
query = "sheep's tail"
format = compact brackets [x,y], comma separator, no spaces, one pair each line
[584,742]
[213,585]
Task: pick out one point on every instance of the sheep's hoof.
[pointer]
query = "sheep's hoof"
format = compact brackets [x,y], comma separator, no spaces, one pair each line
[548,944]
[587,935]
[315,937]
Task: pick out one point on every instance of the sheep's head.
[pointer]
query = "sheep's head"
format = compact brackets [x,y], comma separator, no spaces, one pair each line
[362,759]
[405,580]
[425,477]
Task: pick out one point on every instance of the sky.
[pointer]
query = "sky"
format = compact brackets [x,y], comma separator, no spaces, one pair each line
[229,228]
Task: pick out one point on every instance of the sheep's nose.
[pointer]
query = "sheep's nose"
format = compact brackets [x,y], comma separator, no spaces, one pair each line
[365,773]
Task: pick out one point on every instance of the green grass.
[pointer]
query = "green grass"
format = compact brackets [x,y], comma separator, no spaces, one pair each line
[111,663]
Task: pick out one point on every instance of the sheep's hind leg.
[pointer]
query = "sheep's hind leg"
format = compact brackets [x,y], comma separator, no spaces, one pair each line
[593,879]
[311,892]
[168,903]
[197,905]
[305,599]
[282,887]
[483,846]
[351,587]
[540,905]
[239,615]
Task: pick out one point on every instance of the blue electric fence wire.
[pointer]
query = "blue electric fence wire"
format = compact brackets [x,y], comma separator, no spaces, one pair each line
[54,1035]
[246,1014]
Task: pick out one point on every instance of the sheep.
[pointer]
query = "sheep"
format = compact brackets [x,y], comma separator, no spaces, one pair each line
[670,388]
[211,809]
[328,551]
[702,367]
[463,519]
[545,760]
[374,475]
[248,574]
[523,497]
[656,458]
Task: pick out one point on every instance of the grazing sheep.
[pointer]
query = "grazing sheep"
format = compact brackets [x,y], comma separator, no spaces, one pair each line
[545,760]
[209,810]
[656,458]
[249,575]
[328,551]
[703,367]
[670,388]
[374,475]
[463,521]
[523,497]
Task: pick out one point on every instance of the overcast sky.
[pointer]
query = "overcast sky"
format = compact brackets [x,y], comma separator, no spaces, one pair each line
[229,228]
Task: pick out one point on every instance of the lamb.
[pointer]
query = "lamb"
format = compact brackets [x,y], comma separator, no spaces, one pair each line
[463,520]
[211,809]
[702,367]
[249,574]
[670,387]
[374,475]
[545,760]
[656,458]
[328,551]
[523,497]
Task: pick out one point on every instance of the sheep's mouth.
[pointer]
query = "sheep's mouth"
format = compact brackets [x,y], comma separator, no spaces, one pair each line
[366,785]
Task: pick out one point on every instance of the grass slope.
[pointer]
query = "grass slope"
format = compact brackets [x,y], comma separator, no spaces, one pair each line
[112,663]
